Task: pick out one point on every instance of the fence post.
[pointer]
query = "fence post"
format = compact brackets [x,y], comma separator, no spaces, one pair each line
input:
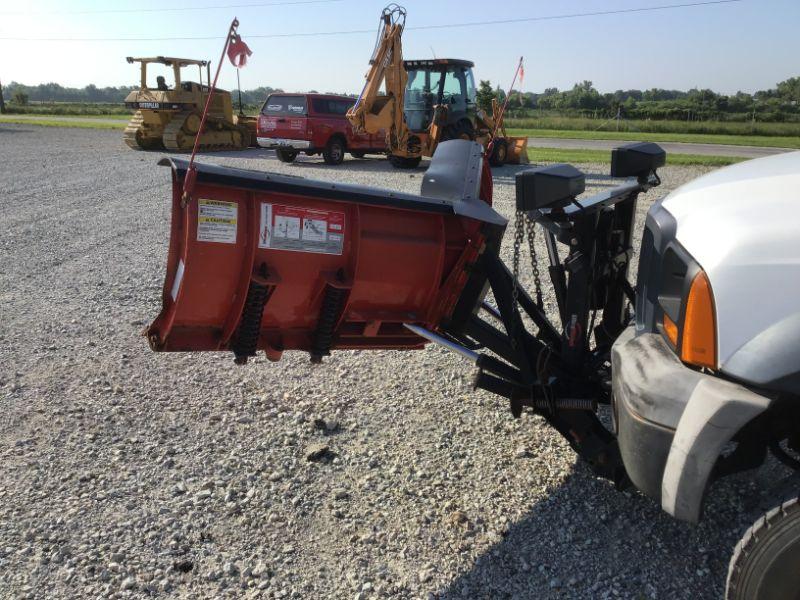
[2,102]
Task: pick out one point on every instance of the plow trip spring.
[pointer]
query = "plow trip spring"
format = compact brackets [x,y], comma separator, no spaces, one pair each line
[259,261]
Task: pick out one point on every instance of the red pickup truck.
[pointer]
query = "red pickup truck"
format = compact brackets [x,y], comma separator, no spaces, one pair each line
[314,124]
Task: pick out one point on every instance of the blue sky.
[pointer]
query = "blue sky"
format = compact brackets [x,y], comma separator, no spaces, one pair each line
[746,46]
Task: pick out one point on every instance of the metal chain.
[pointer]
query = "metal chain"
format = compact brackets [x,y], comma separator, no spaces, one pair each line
[530,226]
[519,234]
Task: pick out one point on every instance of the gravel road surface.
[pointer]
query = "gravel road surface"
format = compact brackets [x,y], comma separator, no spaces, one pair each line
[670,147]
[129,474]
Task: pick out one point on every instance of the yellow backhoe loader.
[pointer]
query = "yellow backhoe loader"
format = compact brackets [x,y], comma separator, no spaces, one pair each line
[169,117]
[420,103]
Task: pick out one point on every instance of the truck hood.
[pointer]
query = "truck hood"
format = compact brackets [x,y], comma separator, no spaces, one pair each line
[742,225]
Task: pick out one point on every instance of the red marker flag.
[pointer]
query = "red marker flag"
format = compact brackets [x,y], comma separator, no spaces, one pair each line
[238,51]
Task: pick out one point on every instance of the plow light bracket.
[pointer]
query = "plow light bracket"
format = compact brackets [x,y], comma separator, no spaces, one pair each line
[637,160]
[554,186]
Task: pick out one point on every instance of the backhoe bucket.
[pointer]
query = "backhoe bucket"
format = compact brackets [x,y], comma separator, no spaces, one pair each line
[517,150]
[260,261]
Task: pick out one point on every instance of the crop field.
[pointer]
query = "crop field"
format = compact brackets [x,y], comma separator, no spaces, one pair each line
[82,109]
[130,474]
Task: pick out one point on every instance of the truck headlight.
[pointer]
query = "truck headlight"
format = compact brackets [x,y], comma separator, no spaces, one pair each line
[699,343]
[698,331]
[688,314]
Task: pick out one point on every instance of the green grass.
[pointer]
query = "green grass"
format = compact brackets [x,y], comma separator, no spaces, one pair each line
[744,128]
[56,122]
[77,109]
[561,155]
[692,138]
[36,117]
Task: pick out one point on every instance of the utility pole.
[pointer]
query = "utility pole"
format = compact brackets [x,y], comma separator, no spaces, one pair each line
[2,102]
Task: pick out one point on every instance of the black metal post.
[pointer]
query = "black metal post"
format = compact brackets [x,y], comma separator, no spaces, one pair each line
[239,86]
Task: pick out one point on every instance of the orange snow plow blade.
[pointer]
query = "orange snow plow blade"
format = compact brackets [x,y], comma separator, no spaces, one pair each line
[260,261]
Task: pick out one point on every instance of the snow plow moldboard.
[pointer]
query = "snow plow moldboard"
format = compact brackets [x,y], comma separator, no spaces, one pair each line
[260,261]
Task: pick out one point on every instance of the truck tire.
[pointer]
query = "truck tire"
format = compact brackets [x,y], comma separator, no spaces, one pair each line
[766,562]
[333,154]
[405,162]
[499,153]
[286,156]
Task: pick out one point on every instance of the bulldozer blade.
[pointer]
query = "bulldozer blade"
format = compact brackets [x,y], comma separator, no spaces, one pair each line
[517,150]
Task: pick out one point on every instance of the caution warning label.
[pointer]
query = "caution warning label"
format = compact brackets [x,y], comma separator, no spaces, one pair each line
[216,221]
[301,229]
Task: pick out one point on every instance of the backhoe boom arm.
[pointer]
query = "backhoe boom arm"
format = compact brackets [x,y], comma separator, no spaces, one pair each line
[374,111]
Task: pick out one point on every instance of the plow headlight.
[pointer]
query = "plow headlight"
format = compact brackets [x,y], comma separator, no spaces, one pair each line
[699,336]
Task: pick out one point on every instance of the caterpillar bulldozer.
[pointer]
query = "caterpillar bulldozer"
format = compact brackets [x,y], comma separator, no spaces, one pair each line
[420,103]
[169,117]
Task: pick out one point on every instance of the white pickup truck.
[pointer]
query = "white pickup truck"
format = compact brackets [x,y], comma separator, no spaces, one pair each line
[707,380]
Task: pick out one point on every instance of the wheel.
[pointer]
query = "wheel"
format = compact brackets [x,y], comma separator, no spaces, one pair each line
[286,156]
[499,153]
[461,130]
[334,151]
[405,162]
[766,562]
[357,154]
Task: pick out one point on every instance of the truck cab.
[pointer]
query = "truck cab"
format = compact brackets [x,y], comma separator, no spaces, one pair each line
[313,124]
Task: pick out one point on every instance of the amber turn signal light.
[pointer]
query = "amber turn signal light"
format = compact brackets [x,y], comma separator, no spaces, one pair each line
[671,330]
[699,344]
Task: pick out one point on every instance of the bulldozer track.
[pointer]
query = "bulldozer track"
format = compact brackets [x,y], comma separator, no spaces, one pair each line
[177,139]
[130,131]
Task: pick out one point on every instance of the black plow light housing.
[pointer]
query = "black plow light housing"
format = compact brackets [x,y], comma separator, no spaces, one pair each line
[637,160]
[554,186]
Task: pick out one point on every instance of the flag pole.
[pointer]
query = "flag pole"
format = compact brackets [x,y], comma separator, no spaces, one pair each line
[503,110]
[191,171]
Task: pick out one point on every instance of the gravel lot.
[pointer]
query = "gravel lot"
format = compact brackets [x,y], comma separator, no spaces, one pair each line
[130,474]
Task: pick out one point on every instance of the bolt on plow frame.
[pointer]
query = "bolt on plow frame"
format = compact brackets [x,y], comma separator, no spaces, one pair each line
[260,261]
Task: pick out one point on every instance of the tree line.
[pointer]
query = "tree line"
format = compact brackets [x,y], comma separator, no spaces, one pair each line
[779,104]
[54,92]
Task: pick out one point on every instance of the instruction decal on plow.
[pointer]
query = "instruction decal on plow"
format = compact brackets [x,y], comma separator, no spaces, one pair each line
[216,221]
[301,229]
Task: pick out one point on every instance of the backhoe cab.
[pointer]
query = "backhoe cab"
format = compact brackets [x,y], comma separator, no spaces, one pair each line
[440,92]
[168,116]
[420,103]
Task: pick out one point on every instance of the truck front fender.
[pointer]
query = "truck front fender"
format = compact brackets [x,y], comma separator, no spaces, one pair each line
[716,411]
